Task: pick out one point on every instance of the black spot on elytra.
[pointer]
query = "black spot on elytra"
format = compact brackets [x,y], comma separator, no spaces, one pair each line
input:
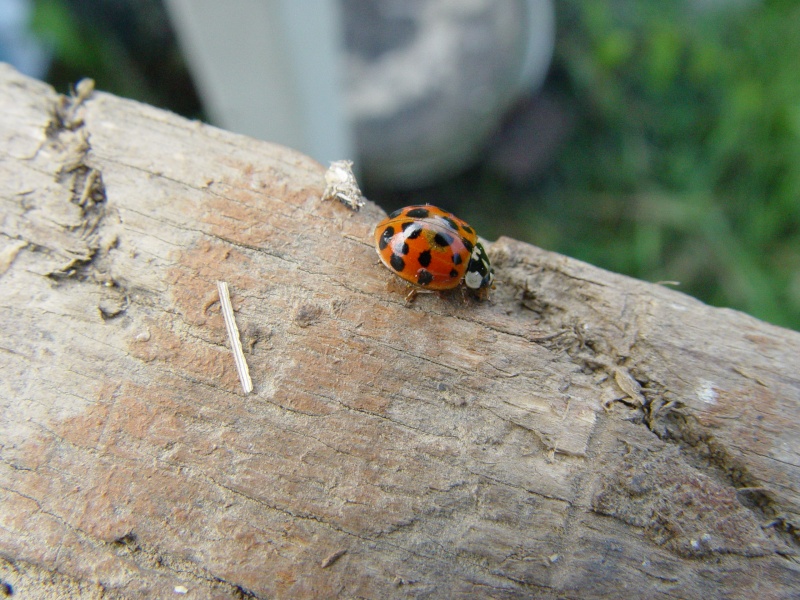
[468,229]
[404,249]
[386,237]
[452,223]
[418,213]
[397,262]
[425,258]
[453,273]
[468,245]
[412,230]
[442,239]
[424,277]
[395,213]
[457,260]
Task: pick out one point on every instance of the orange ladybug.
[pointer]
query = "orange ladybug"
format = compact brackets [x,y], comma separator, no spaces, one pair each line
[433,249]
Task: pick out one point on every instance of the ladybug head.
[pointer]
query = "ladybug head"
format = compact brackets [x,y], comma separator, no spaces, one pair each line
[479,274]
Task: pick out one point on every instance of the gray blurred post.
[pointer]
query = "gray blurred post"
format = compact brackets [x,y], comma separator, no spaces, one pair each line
[270,69]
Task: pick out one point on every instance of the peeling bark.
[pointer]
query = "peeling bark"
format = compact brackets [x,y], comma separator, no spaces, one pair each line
[581,435]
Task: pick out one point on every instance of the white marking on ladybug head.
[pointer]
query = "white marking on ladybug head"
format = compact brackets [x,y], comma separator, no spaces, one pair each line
[473,280]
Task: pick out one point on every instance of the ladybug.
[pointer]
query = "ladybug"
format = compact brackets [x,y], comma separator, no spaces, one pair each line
[434,250]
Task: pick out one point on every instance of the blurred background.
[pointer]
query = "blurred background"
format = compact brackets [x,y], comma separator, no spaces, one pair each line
[656,139]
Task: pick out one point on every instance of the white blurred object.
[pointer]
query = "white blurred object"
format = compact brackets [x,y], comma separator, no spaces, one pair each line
[17,45]
[409,88]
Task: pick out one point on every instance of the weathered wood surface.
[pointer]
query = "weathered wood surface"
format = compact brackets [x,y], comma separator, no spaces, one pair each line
[581,435]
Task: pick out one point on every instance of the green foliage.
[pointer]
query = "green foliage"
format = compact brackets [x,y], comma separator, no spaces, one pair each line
[685,163]
[126,46]
[85,51]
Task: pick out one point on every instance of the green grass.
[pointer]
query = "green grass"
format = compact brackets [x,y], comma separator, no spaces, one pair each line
[688,151]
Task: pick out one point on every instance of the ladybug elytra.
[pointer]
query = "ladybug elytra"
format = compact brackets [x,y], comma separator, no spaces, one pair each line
[433,249]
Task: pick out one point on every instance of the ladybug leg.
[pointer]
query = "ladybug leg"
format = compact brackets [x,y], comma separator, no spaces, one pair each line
[414,292]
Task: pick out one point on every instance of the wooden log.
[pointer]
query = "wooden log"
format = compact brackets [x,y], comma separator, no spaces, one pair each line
[580,435]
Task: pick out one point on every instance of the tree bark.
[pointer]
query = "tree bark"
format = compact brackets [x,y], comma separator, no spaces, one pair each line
[580,435]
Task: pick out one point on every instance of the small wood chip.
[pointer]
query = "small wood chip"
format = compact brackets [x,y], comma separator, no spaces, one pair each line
[233,336]
[629,385]
[332,558]
[8,254]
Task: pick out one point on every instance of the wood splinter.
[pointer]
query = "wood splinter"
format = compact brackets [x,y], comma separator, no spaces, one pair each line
[327,562]
[233,336]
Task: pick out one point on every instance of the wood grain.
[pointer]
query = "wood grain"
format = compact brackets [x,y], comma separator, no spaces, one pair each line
[581,435]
